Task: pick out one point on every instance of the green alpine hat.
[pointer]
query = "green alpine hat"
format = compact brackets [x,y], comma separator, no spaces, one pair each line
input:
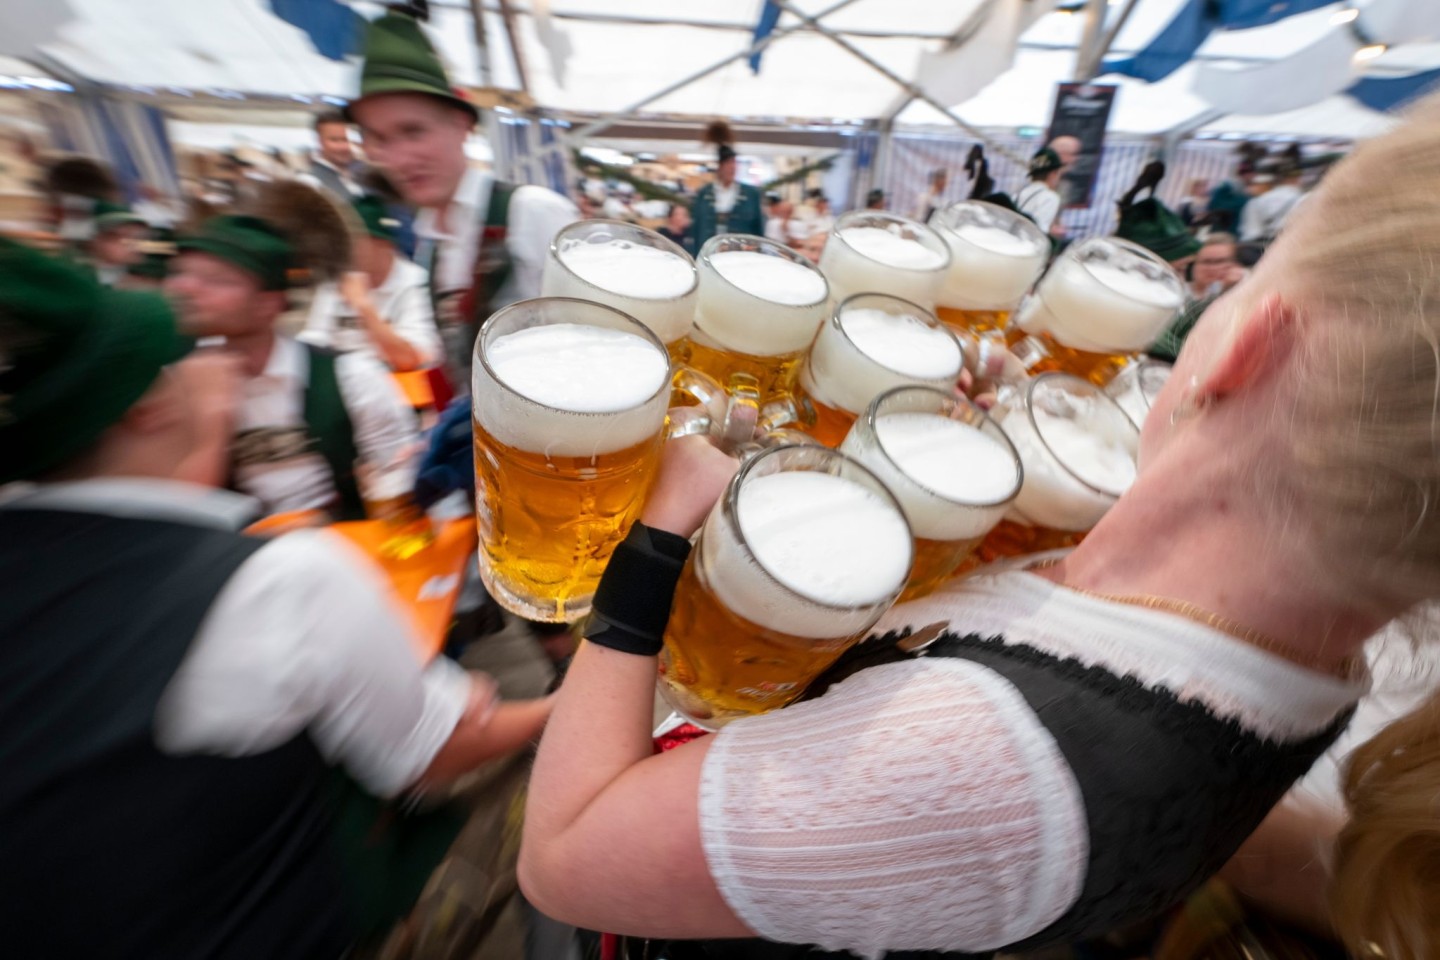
[109,216]
[376,217]
[400,59]
[78,356]
[1044,163]
[1155,227]
[247,242]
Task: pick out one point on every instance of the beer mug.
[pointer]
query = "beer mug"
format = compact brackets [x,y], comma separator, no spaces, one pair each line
[1102,301]
[1078,450]
[569,403]
[950,466]
[760,305]
[1136,386]
[873,252]
[624,266]
[872,343]
[995,257]
[804,552]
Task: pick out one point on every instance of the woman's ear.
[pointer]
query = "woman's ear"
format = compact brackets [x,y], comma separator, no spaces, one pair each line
[1257,348]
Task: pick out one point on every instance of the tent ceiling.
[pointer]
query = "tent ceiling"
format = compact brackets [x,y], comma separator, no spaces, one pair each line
[625,50]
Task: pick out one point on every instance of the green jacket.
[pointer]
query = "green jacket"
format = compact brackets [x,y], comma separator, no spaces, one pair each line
[1167,347]
[745,216]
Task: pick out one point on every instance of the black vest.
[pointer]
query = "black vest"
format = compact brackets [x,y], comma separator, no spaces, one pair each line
[108,847]
[1170,790]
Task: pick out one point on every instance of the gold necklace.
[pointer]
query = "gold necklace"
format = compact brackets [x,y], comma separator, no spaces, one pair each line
[1346,669]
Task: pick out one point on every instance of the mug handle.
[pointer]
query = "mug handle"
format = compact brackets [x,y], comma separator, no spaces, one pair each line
[729,417]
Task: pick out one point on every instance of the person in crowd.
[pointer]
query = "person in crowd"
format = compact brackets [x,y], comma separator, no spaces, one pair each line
[875,199]
[821,219]
[1153,225]
[934,197]
[1228,200]
[726,205]
[1215,270]
[1039,199]
[1194,208]
[116,245]
[1088,737]
[199,727]
[1274,195]
[484,242]
[677,228]
[160,211]
[383,306]
[782,227]
[333,166]
[1067,148]
[306,417]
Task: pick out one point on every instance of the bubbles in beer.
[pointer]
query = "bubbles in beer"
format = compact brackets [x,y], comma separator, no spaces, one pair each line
[629,269]
[579,368]
[769,277]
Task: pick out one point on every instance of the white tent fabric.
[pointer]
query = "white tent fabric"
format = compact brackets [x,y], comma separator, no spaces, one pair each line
[233,47]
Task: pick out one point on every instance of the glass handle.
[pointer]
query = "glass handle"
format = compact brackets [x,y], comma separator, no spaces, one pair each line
[729,417]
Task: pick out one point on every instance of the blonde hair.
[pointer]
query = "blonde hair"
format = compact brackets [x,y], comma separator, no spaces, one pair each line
[1386,893]
[1361,266]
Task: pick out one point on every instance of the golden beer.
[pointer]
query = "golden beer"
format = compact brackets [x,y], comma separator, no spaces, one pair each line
[569,410]
[1078,450]
[760,304]
[952,469]
[800,557]
[995,257]
[873,343]
[1102,302]
[549,524]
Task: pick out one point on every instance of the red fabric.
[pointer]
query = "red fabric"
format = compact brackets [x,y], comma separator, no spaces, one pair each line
[678,737]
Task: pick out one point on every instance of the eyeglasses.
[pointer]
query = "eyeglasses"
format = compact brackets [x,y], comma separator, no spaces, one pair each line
[1215,263]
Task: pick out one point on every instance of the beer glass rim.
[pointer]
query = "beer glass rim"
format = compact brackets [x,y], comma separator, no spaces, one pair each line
[850,219]
[1053,377]
[937,223]
[662,243]
[872,413]
[482,355]
[770,248]
[1137,371]
[730,510]
[924,316]
[1171,277]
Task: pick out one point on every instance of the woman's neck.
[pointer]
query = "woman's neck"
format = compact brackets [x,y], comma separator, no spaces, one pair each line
[1220,555]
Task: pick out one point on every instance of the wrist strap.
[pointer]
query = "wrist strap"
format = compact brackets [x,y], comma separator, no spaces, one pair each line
[632,603]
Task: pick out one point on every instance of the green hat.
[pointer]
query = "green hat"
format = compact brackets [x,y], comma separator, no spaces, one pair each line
[376,217]
[109,216]
[247,242]
[400,59]
[1044,163]
[1150,223]
[78,356]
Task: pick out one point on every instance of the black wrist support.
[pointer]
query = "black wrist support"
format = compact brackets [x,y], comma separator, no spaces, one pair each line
[632,603]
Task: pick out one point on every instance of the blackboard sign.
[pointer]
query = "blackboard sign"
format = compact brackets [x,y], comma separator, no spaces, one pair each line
[1081,110]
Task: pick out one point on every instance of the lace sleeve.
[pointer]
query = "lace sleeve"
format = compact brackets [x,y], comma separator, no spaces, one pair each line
[919,805]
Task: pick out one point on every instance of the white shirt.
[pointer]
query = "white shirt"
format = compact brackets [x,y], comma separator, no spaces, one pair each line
[352,187]
[275,466]
[1265,215]
[402,301]
[1039,203]
[923,805]
[303,638]
[726,197]
[536,215]
[777,229]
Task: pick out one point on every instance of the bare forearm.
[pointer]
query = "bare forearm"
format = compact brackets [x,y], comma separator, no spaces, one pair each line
[398,353]
[477,739]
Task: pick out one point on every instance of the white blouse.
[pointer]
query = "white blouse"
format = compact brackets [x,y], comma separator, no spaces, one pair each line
[922,805]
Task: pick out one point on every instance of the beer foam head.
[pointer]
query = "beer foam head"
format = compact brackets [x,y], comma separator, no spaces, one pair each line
[901,258]
[599,389]
[759,304]
[628,268]
[953,481]
[769,277]
[1103,306]
[990,267]
[1079,457]
[878,349]
[841,547]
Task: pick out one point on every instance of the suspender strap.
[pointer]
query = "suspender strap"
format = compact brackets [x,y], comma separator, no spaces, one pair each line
[328,423]
[493,264]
